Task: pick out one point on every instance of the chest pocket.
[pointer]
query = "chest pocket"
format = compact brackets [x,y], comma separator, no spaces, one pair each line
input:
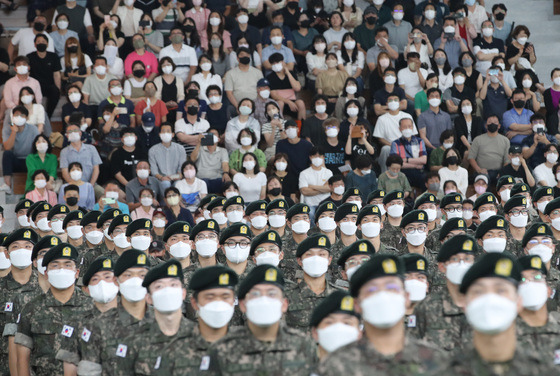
[151,363]
[46,337]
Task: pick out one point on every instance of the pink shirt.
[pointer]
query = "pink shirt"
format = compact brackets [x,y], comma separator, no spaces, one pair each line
[200,18]
[149,60]
[139,213]
[226,36]
[13,87]
[48,196]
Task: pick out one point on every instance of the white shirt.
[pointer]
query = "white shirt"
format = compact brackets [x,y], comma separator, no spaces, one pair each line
[410,81]
[234,126]
[308,177]
[200,126]
[334,36]
[184,59]
[314,61]
[133,83]
[387,126]
[483,65]
[87,18]
[424,57]
[74,62]
[250,188]
[117,68]
[351,68]
[211,79]
[460,177]
[186,188]
[542,172]
[24,40]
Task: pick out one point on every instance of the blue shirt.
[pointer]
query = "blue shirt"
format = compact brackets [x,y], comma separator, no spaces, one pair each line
[122,207]
[538,156]
[435,124]
[512,117]
[366,183]
[452,49]
[285,51]
[59,40]
[87,156]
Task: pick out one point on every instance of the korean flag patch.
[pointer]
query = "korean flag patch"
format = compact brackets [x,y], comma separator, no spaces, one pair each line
[85,335]
[411,321]
[67,331]
[121,351]
[557,356]
[205,363]
[9,307]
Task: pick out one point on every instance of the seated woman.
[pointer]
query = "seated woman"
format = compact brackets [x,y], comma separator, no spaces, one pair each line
[356,147]
[354,115]
[331,82]
[87,195]
[41,191]
[191,188]
[175,209]
[315,60]
[533,97]
[76,65]
[41,158]
[451,170]
[248,144]
[216,114]
[134,86]
[244,120]
[75,104]
[37,114]
[115,65]
[192,89]
[150,103]
[146,208]
[350,92]
[218,56]
[169,89]
[273,130]
[251,182]
[274,191]
[447,141]
[205,76]
[279,169]
[284,86]
[230,189]
[351,59]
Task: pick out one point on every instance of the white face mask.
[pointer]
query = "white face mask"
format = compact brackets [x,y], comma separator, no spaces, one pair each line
[339,190]
[220,217]
[246,141]
[22,69]
[116,90]
[143,174]
[384,309]
[390,80]
[230,194]
[332,132]
[416,238]
[22,220]
[543,251]
[21,258]
[320,108]
[317,161]
[398,16]
[350,272]
[326,224]
[249,165]
[519,221]
[522,40]
[491,313]
[466,110]
[455,214]
[26,99]
[40,183]
[430,14]
[268,258]
[371,229]
[57,227]
[432,214]
[166,137]
[416,289]
[132,289]
[487,32]
[348,228]
[350,44]
[395,211]
[235,216]
[265,94]
[533,294]
[264,311]
[456,271]
[62,24]
[180,250]
[94,237]
[281,166]
[61,279]
[467,214]
[103,292]
[5,262]
[40,268]
[542,206]
[459,80]
[168,299]
[74,232]
[216,314]
[206,247]
[276,40]
[146,201]
[494,245]
[206,67]
[141,242]
[19,121]
[556,81]
[277,220]
[552,157]
[527,83]
[74,97]
[291,132]
[112,194]
[516,161]
[121,241]
[277,67]
[100,69]
[486,214]
[352,111]
[434,102]
[301,227]
[259,222]
[129,141]
[159,223]
[43,225]
[505,195]
[337,335]
[237,254]
[315,266]
[407,133]
[243,19]
[76,175]
[215,99]
[449,29]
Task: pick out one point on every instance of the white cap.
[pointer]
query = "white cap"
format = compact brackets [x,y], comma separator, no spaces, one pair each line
[481,177]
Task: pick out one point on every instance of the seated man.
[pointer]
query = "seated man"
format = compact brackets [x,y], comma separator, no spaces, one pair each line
[432,122]
[125,114]
[125,158]
[381,96]
[451,42]
[489,151]
[313,181]
[453,96]
[276,38]
[535,143]
[110,199]
[412,150]
[495,92]
[141,181]
[413,77]
[167,157]
[284,86]
[517,121]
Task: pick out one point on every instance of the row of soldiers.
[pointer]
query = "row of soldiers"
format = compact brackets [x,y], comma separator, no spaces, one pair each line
[358,292]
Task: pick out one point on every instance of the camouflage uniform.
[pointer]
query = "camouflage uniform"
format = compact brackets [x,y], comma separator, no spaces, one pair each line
[391,235]
[544,339]
[86,257]
[513,246]
[288,264]
[432,240]
[70,346]
[43,321]
[302,301]
[553,280]
[361,359]
[239,353]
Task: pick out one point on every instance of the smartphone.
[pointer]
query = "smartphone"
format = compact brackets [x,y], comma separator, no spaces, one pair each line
[122,111]
[493,72]
[107,19]
[276,116]
[357,132]
[207,140]
[144,23]
[109,201]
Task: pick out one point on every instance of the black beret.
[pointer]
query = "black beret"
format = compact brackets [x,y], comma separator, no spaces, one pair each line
[278,203]
[23,204]
[520,188]
[378,193]
[426,198]
[536,229]
[451,198]
[206,225]
[74,215]
[207,199]
[414,216]
[139,224]
[353,191]
[41,208]
[169,269]
[414,263]
[91,217]
[261,274]
[102,263]
[213,277]
[179,227]
[368,210]
[58,209]
[3,237]
[554,204]
[324,207]
[216,203]
[337,302]
[48,241]
[452,224]
[461,243]
[269,236]
[344,210]
[21,234]
[1,209]
[515,201]
[532,262]
[504,180]
[541,192]
[360,247]
[133,258]
[121,219]
[236,229]
[393,195]
[255,206]
[298,208]
[313,241]
[33,206]
[107,216]
[380,265]
[235,200]
[494,222]
[501,265]
[61,251]
[483,199]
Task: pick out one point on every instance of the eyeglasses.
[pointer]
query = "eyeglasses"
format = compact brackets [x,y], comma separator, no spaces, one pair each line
[412,230]
[533,242]
[274,294]
[390,287]
[457,209]
[356,262]
[517,213]
[117,232]
[535,278]
[272,248]
[242,244]
[211,236]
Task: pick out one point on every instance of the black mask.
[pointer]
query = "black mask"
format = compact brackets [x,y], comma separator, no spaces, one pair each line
[500,16]
[188,28]
[72,49]
[492,127]
[519,104]
[38,26]
[305,24]
[245,60]
[371,20]
[41,47]
[452,160]
[72,201]
[192,110]
[293,5]
[139,73]
[192,93]
[275,191]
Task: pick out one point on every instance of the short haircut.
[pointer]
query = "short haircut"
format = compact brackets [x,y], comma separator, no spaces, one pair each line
[394,159]
[316,150]
[71,187]
[445,135]
[335,178]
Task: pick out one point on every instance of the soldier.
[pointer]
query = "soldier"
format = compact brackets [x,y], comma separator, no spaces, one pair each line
[324,221]
[39,217]
[266,249]
[345,217]
[216,209]
[39,251]
[93,242]
[541,197]
[205,236]
[235,241]
[490,288]
[376,198]
[491,235]
[71,226]
[378,286]
[55,219]
[255,216]
[18,287]
[485,206]
[117,232]
[335,323]
[314,257]
[179,246]
[394,205]
[524,190]
[517,216]
[203,205]
[21,212]
[160,222]
[30,210]
[352,257]
[439,318]
[503,188]
[415,283]
[468,214]
[48,317]
[5,264]
[353,196]
[235,209]
[276,211]
[414,227]
[103,224]
[102,341]
[139,234]
[299,223]
[428,203]
[451,206]
[370,223]
[265,344]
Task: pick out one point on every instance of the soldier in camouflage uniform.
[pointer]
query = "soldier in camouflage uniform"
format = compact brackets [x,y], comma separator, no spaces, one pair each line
[139,235]
[376,198]
[21,210]
[552,213]
[234,207]
[265,345]
[29,213]
[428,203]
[485,206]
[370,224]
[276,211]
[491,235]
[345,217]
[55,219]
[47,318]
[235,241]
[540,199]
[71,226]
[351,258]
[5,264]
[394,205]
[415,283]
[414,229]
[379,290]
[206,242]
[503,189]
[324,221]
[517,215]
[299,223]
[255,215]
[39,213]
[160,222]
[524,190]
[94,246]
[313,256]
[451,206]
[216,211]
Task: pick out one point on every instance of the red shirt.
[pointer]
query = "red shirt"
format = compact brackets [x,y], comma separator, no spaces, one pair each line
[159,109]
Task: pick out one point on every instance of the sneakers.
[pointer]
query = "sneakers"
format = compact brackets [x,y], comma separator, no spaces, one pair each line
[5,188]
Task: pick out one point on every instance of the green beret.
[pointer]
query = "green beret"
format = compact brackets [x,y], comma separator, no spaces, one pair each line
[360,247]
[541,192]
[21,234]
[235,200]
[206,225]
[520,188]
[169,269]
[414,216]
[216,203]
[344,210]
[91,217]
[452,224]
[269,236]
[236,229]
[296,209]
[353,191]
[41,208]
[451,198]
[102,263]
[552,205]
[337,302]
[414,263]
[536,229]
[121,219]
[61,251]
[368,210]
[495,222]
[501,265]
[278,203]
[461,243]
[48,241]
[107,216]
[426,198]
[313,241]
[380,265]
[515,201]
[133,258]
[179,227]
[258,275]
[23,204]
[327,206]
[378,193]
[393,195]
[3,237]
[483,199]
[255,206]
[206,200]
[532,262]
[139,224]
[74,215]
[504,180]
[217,276]
[58,209]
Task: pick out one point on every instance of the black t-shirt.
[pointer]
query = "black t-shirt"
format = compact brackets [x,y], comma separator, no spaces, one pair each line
[125,162]
[68,109]
[218,119]
[4,58]
[313,129]
[381,95]
[43,69]
[289,184]
[334,156]
[276,83]
[519,174]
[357,150]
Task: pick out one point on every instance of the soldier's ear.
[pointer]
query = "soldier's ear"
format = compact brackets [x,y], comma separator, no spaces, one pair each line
[284,305]
[314,334]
